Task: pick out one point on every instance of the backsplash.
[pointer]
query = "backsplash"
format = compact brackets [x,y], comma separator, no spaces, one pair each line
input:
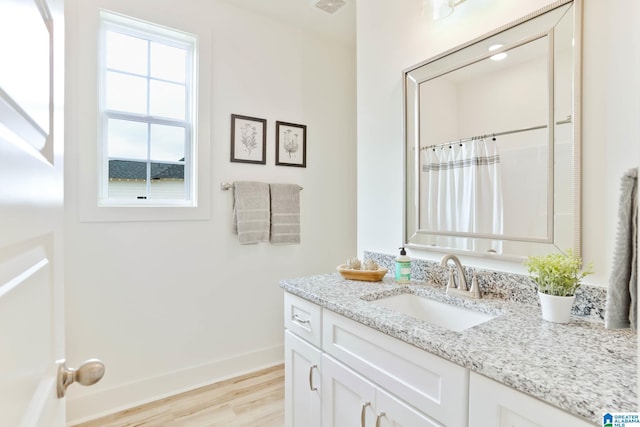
[590,300]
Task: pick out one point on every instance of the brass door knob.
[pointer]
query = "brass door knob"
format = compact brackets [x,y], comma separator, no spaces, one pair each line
[89,373]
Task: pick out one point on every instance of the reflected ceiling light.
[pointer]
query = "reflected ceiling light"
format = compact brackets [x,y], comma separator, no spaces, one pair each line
[497,56]
[440,8]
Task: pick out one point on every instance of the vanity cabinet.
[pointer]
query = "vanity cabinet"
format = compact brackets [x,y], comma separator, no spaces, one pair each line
[492,404]
[339,372]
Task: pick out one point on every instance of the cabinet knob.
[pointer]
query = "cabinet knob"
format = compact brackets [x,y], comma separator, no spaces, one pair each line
[379,417]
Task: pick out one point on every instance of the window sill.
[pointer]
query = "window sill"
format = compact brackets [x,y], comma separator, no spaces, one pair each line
[145,211]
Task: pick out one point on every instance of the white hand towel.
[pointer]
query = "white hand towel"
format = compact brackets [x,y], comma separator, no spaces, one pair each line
[285,214]
[251,211]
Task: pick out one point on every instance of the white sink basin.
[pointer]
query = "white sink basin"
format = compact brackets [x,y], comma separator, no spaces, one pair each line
[435,312]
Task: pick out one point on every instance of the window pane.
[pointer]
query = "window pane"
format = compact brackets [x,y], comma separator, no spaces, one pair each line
[168,62]
[167,181]
[126,188]
[167,143]
[126,53]
[127,169]
[171,190]
[166,171]
[126,93]
[126,139]
[167,100]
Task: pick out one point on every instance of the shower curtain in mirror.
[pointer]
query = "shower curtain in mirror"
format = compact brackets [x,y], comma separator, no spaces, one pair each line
[462,190]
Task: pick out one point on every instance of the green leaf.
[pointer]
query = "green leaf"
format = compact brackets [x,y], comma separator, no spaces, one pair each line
[557,274]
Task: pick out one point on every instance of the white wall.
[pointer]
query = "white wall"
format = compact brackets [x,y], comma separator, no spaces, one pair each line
[392,36]
[170,305]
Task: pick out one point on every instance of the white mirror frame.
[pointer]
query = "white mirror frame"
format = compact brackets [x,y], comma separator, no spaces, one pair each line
[519,247]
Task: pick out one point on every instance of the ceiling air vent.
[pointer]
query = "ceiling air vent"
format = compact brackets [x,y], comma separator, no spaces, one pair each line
[330,6]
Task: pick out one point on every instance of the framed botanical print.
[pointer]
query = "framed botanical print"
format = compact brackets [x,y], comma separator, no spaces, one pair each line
[248,139]
[291,144]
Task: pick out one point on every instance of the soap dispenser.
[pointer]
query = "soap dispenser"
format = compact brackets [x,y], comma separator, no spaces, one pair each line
[403,267]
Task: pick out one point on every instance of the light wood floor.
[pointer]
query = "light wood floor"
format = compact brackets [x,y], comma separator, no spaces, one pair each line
[255,399]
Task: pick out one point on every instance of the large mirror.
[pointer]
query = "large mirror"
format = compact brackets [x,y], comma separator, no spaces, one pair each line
[492,132]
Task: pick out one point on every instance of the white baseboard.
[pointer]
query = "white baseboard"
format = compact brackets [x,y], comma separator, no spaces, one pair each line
[125,396]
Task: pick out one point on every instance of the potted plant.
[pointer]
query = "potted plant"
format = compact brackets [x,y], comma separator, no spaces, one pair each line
[557,276]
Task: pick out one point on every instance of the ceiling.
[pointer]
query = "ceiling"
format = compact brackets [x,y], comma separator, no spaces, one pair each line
[340,26]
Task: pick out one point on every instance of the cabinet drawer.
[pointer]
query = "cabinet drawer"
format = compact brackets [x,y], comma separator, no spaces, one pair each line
[303,318]
[435,386]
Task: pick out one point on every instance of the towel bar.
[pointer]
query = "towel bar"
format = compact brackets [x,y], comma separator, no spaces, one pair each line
[227,185]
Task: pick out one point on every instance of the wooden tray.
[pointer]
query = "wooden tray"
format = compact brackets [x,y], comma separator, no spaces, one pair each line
[364,275]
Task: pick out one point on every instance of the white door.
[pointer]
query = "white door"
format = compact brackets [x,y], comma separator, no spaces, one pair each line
[31,214]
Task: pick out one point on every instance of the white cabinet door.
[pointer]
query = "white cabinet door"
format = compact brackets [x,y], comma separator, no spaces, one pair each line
[347,398]
[302,383]
[492,404]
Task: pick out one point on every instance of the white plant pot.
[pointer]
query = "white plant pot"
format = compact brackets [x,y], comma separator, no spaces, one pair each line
[556,309]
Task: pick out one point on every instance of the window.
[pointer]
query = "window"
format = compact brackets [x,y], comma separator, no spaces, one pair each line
[146,151]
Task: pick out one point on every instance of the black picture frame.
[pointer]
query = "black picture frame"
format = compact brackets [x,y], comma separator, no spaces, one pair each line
[291,144]
[248,139]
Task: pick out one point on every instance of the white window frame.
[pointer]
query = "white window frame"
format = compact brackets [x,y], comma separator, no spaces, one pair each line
[154,33]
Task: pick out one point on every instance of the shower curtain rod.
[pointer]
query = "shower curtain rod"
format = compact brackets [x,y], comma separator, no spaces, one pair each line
[227,185]
[460,141]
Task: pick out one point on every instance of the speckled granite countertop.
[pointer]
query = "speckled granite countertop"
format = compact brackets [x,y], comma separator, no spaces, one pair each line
[580,367]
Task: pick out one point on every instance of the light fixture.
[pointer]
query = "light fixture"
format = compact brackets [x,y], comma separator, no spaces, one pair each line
[440,8]
[330,6]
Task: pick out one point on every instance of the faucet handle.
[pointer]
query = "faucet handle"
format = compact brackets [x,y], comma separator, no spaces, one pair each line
[462,280]
[452,283]
[475,288]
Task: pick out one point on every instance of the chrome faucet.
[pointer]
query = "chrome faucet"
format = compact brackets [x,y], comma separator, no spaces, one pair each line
[461,289]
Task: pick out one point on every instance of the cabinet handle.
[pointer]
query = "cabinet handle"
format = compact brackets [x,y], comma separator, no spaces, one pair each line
[363,413]
[379,417]
[311,368]
[299,319]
